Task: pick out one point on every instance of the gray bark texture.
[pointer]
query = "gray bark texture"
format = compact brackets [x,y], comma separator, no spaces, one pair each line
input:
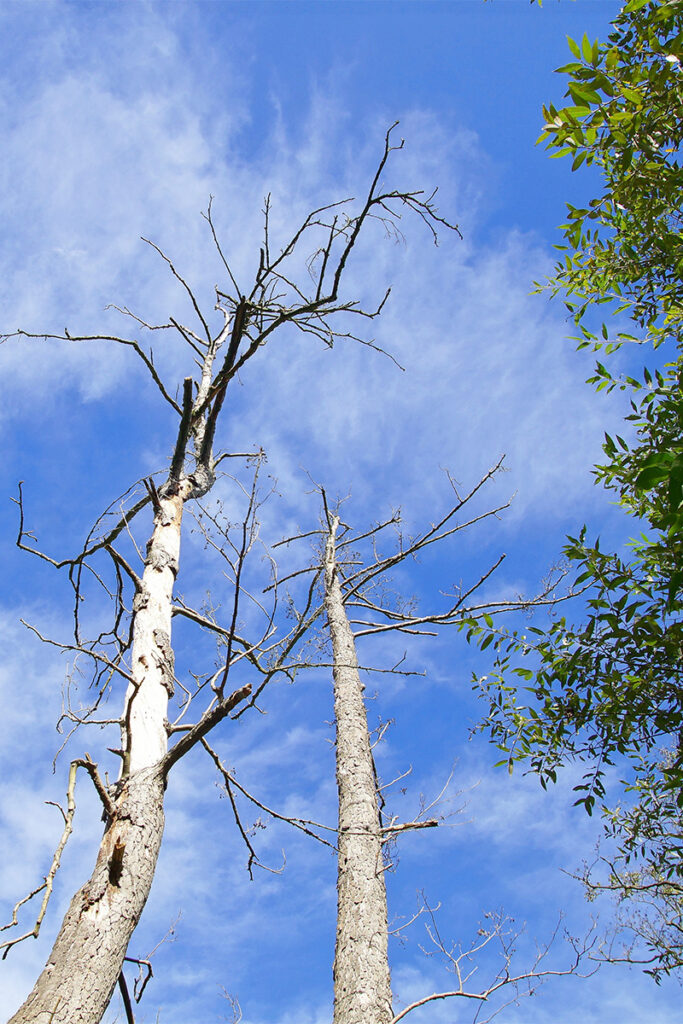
[85,962]
[78,979]
[362,985]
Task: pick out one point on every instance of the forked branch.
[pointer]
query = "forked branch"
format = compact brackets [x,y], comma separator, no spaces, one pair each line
[495,931]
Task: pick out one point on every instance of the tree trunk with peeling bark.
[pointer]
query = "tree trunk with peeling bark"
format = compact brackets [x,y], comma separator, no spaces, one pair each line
[78,980]
[86,960]
[362,984]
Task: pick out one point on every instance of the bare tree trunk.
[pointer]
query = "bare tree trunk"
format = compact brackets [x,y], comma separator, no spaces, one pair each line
[362,986]
[85,962]
[78,979]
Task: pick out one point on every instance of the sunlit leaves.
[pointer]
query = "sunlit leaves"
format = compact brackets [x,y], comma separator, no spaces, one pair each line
[625,116]
[608,690]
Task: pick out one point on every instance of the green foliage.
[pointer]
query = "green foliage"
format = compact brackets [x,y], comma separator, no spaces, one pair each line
[624,118]
[608,692]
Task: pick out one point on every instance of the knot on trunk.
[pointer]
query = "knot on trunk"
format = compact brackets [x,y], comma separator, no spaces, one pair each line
[160,560]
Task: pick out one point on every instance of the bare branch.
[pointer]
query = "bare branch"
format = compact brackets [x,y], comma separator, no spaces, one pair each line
[391,830]
[153,493]
[299,536]
[178,459]
[127,1005]
[130,343]
[433,535]
[101,789]
[303,824]
[455,613]
[190,337]
[228,780]
[120,560]
[421,910]
[521,983]
[54,867]
[185,285]
[208,217]
[80,649]
[207,722]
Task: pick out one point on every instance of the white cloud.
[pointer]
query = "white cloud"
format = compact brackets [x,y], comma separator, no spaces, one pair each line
[487,371]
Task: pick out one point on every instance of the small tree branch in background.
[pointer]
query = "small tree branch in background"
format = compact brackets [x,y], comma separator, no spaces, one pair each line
[48,883]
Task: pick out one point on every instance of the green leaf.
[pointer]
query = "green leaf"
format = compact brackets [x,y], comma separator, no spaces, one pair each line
[574,47]
[612,59]
[582,96]
[634,95]
[655,472]
[675,486]
[576,163]
[586,49]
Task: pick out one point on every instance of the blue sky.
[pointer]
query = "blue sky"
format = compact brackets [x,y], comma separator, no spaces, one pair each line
[119,120]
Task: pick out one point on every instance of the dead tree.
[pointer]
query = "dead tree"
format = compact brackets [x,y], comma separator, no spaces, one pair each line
[345,594]
[362,984]
[86,961]
[358,602]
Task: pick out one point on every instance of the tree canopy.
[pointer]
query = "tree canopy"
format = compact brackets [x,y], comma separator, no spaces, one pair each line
[608,691]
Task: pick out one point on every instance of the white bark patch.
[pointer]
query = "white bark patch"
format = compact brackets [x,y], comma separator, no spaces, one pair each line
[145,739]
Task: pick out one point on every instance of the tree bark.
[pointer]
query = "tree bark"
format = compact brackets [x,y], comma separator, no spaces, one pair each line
[78,979]
[85,962]
[362,985]
[144,734]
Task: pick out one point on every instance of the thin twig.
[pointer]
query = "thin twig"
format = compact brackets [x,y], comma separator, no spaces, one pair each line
[48,884]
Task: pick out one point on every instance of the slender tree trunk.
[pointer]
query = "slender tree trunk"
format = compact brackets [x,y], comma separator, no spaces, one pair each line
[85,962]
[362,986]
